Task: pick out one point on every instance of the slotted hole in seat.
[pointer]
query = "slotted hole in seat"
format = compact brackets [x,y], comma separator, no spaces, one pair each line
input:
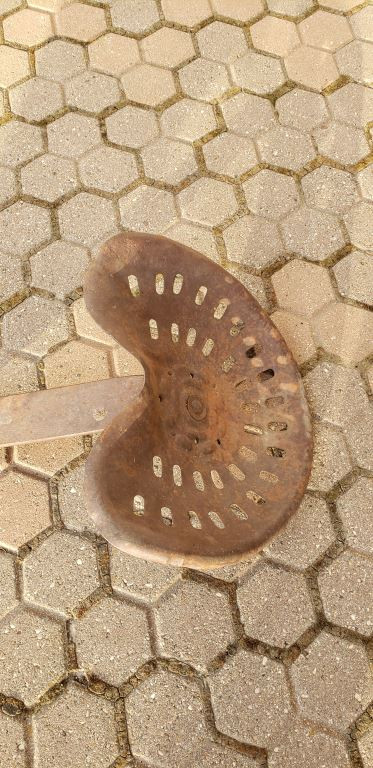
[255,497]
[166,515]
[266,375]
[253,429]
[176,471]
[178,284]
[228,364]
[214,517]
[153,328]
[237,326]
[159,283]
[133,284]
[238,512]
[207,347]
[216,479]
[278,453]
[201,293]
[221,309]
[247,453]
[198,481]
[191,337]
[138,505]
[194,520]
[175,332]
[277,426]
[268,476]
[157,466]
[236,472]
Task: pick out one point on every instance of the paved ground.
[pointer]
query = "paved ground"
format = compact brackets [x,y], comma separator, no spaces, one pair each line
[243,128]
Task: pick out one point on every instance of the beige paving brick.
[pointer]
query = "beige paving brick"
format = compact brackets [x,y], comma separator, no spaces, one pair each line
[168,47]
[359,223]
[271,194]
[207,201]
[126,364]
[291,8]
[142,579]
[230,155]
[204,79]
[358,434]
[51,6]
[87,327]
[11,277]
[330,458]
[325,693]
[147,209]
[285,147]
[342,143]
[47,271]
[253,242]
[80,22]
[361,23]
[302,109]
[356,61]
[193,236]
[365,182]
[168,160]
[188,120]
[132,127]
[27,27]
[240,10]
[354,277]
[60,741]
[297,333]
[181,633]
[36,99]
[35,325]
[113,54]
[134,16]
[60,573]
[75,363]
[8,185]
[24,227]
[12,741]
[325,30]
[221,42]
[147,84]
[354,509]
[335,394]
[346,588]
[73,134]
[365,743]
[92,91]
[14,66]
[16,374]
[330,189]
[258,73]
[247,114]
[86,218]
[303,745]
[108,169]
[19,142]
[49,178]
[352,104]
[8,594]
[274,35]
[233,573]
[59,60]
[311,67]
[50,457]
[71,500]
[345,331]
[312,234]
[250,698]
[254,285]
[115,654]
[302,288]
[340,5]
[275,606]
[306,537]
[189,15]
[32,652]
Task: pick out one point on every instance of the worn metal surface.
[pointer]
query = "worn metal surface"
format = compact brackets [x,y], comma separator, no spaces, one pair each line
[214,455]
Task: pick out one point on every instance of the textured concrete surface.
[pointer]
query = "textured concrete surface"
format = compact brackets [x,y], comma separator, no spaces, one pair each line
[244,129]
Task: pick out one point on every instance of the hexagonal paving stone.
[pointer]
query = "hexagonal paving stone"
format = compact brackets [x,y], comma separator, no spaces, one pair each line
[303,110]
[194,236]
[355,342]
[306,537]
[16,374]
[258,73]
[275,606]
[35,325]
[61,742]
[48,457]
[254,285]
[168,47]
[302,745]
[61,573]
[247,114]
[188,120]
[8,185]
[312,234]
[147,209]
[113,54]
[346,588]
[274,35]
[270,194]
[27,27]
[107,169]
[190,15]
[72,503]
[352,104]
[297,333]
[147,84]
[286,148]
[12,741]
[14,66]
[46,269]
[86,218]
[144,580]
[221,42]
[19,142]
[37,644]
[325,30]
[132,127]
[311,67]
[330,458]
[302,288]
[11,277]
[24,227]
[73,134]
[181,634]
[365,743]
[79,22]
[253,241]
[356,61]
[361,23]
[240,10]
[204,79]
[230,155]
[365,182]
[330,189]
[250,699]
[355,511]
[332,682]
[115,654]
[335,394]
[87,327]
[92,91]
[354,277]
[36,99]
[207,201]
[8,593]
[49,178]
[342,143]
[359,222]
[75,363]
[59,60]
[134,15]
[168,160]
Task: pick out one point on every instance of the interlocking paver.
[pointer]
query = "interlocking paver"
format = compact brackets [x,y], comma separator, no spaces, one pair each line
[36,99]
[13,741]
[230,155]
[365,181]
[73,134]
[325,30]
[86,218]
[193,236]
[31,648]
[35,325]
[181,633]
[247,114]
[330,189]
[361,23]
[11,277]
[19,142]
[113,54]
[80,22]
[291,8]
[221,42]
[134,15]
[352,104]
[59,60]
[346,588]
[132,127]
[240,10]
[27,27]
[359,432]
[147,209]
[204,79]
[48,458]
[335,394]
[71,500]
[47,272]
[359,222]
[270,194]
[8,594]
[144,580]
[207,201]
[311,67]
[112,640]
[302,745]
[168,47]
[258,73]
[340,5]
[330,458]
[365,743]
[8,185]
[297,333]
[274,35]
[49,178]
[92,91]
[306,537]
[17,374]
[354,277]
[355,341]
[14,66]
[188,120]
[342,143]
[332,681]
[147,84]
[87,327]
[302,109]
[253,241]
[302,288]
[354,508]
[24,227]
[75,363]
[286,148]
[190,15]
[108,169]
[312,234]
[356,61]
[168,160]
